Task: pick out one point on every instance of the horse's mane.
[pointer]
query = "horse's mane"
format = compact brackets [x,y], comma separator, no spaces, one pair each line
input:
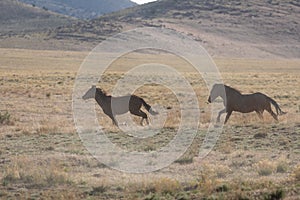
[233,89]
[99,90]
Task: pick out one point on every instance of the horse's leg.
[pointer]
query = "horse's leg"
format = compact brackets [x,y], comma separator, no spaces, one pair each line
[144,116]
[272,113]
[113,120]
[260,114]
[220,113]
[227,116]
[140,114]
[142,120]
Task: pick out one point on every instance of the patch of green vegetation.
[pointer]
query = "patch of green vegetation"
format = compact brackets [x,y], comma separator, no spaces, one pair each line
[5,118]
[185,160]
[265,167]
[275,195]
[98,190]
[282,167]
[222,188]
[8,179]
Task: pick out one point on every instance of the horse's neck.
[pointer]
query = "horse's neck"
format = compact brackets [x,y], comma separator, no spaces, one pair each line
[234,94]
[223,96]
[102,99]
[228,94]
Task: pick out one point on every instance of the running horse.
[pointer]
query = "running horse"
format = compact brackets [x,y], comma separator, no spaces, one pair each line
[234,100]
[112,106]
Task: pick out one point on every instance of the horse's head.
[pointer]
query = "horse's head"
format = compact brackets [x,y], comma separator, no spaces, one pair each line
[90,93]
[216,91]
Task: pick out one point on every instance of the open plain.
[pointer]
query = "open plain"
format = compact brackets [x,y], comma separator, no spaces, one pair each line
[42,156]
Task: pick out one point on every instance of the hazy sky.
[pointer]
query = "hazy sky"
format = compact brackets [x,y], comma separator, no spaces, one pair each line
[142,1]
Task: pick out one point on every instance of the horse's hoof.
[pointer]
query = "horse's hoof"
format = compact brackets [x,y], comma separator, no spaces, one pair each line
[217,125]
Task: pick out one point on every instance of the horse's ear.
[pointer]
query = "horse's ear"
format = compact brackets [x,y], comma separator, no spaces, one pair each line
[215,85]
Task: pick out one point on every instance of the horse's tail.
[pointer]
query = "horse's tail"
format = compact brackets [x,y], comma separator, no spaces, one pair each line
[275,104]
[148,108]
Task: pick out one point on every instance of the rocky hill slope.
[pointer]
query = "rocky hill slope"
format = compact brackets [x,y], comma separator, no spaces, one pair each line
[253,29]
[82,9]
[258,28]
[18,18]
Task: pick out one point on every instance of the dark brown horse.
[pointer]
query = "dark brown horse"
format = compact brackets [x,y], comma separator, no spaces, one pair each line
[112,106]
[236,101]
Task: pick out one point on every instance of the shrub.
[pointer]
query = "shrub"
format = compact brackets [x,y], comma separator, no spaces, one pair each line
[222,188]
[185,160]
[5,118]
[297,173]
[265,167]
[34,174]
[222,171]
[276,195]
[167,186]
[98,190]
[282,167]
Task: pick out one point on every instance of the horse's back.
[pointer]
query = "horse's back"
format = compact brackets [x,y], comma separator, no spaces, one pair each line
[258,97]
[261,97]
[259,94]
[248,102]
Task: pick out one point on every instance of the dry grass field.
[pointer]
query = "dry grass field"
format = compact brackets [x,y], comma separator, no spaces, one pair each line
[42,156]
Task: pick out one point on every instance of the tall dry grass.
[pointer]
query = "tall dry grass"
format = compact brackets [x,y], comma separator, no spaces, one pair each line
[36,90]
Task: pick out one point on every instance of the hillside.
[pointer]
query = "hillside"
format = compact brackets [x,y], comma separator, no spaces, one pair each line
[18,18]
[256,29]
[82,9]
[268,28]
